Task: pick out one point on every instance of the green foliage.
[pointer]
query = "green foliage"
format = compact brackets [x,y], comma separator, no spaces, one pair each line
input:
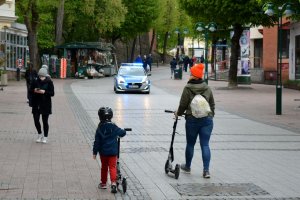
[226,12]
[109,14]
[293,84]
[140,17]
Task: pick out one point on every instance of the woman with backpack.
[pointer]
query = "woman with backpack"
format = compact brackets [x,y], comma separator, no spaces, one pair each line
[195,125]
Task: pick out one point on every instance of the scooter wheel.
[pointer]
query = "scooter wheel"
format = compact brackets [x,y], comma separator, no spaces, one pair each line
[167,167]
[177,171]
[124,185]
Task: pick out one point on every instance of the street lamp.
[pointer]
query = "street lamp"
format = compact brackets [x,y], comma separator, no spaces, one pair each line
[212,27]
[180,41]
[280,11]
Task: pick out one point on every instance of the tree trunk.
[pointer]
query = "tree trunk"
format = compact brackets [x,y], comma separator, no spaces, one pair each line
[59,22]
[165,47]
[213,54]
[31,21]
[33,50]
[178,46]
[133,49]
[224,53]
[152,41]
[235,46]
[140,46]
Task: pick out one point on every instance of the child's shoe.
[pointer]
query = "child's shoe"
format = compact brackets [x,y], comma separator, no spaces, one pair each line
[114,188]
[102,186]
[40,138]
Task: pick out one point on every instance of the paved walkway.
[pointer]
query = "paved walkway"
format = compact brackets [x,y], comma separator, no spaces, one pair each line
[64,168]
[254,152]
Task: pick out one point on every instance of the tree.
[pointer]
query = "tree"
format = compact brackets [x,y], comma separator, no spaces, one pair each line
[237,14]
[89,20]
[139,19]
[59,22]
[30,15]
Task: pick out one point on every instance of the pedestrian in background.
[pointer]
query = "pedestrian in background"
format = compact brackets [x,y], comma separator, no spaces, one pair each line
[30,76]
[145,63]
[195,127]
[106,144]
[202,58]
[138,59]
[173,65]
[186,61]
[149,61]
[42,89]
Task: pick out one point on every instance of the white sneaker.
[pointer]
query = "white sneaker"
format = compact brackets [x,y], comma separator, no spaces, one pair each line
[40,138]
[44,140]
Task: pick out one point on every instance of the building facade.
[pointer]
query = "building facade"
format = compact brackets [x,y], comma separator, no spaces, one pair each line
[294,51]
[13,39]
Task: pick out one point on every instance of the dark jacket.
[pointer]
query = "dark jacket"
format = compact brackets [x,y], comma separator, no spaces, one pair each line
[30,76]
[106,139]
[41,103]
[192,88]
[173,64]
[149,60]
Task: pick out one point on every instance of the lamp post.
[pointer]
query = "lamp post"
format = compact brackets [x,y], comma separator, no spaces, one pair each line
[212,27]
[280,11]
[180,41]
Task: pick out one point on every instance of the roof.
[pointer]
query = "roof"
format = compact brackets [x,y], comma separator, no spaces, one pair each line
[87,45]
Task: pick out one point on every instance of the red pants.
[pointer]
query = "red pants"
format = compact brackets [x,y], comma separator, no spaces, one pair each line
[111,163]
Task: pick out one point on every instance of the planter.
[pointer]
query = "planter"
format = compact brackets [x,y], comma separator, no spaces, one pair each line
[291,86]
[244,79]
[3,79]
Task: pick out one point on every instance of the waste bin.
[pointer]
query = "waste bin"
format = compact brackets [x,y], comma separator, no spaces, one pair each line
[178,73]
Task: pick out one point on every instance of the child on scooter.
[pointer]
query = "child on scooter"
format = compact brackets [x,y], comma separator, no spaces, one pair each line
[106,144]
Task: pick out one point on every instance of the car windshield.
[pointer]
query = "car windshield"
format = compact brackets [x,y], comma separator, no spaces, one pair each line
[132,71]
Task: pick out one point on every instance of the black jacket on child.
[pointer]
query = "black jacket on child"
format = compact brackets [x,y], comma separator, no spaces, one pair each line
[106,139]
[41,103]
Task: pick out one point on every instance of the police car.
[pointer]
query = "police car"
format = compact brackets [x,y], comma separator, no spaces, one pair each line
[132,77]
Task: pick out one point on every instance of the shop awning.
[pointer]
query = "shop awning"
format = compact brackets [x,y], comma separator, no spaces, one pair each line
[87,45]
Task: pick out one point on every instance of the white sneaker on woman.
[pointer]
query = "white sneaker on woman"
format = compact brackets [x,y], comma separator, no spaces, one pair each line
[40,138]
[44,140]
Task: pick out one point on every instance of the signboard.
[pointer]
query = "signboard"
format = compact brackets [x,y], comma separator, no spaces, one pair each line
[198,52]
[245,52]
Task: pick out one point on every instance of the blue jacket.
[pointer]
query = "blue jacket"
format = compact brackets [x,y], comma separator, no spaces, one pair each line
[106,139]
[138,60]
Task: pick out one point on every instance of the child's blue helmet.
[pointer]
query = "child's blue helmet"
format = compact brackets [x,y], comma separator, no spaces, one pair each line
[105,113]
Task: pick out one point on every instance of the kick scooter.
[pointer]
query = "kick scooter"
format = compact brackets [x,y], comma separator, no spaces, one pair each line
[168,165]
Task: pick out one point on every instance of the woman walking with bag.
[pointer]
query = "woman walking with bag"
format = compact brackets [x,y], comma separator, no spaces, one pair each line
[42,89]
[197,126]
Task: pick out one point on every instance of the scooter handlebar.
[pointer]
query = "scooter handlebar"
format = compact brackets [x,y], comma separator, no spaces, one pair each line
[169,111]
[128,129]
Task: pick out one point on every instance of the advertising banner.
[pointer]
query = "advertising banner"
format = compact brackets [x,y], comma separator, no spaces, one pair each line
[245,52]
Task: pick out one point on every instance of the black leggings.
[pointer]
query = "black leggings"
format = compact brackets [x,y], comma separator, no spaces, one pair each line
[36,118]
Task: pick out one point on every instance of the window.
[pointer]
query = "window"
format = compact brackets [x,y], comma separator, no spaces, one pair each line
[258,53]
[297,58]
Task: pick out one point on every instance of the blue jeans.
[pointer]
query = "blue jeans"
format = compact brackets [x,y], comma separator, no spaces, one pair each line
[194,127]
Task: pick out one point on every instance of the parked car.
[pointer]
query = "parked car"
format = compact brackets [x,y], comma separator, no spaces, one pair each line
[132,77]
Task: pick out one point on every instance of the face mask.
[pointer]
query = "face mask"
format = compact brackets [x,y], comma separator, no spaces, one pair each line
[42,78]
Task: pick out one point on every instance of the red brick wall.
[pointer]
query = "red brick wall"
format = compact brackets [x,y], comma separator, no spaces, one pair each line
[270,49]
[270,52]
